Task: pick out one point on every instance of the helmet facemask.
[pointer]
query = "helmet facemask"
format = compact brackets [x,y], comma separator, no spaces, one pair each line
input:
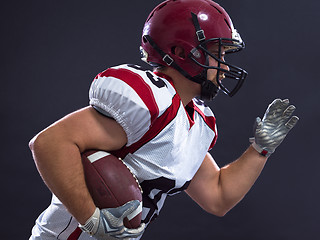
[235,75]
[230,45]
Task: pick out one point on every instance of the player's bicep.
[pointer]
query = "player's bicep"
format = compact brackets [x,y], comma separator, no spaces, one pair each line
[89,129]
[204,187]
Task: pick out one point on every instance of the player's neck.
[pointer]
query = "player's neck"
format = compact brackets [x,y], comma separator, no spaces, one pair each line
[186,89]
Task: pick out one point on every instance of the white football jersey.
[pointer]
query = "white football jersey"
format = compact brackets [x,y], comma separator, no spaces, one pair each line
[166,145]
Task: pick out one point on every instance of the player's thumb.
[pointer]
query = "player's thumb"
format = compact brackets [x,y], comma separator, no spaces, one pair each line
[257,124]
[130,209]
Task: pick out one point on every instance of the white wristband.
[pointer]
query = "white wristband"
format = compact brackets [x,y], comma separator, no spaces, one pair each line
[91,225]
[260,150]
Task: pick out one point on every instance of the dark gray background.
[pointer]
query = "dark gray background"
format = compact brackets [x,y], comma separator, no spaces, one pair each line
[51,51]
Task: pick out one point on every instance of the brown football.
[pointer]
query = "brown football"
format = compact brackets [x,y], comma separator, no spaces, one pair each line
[111,184]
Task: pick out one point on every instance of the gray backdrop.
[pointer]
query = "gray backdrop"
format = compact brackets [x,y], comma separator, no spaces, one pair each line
[51,51]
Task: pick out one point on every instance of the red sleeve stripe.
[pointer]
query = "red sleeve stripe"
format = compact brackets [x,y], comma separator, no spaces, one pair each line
[158,125]
[137,83]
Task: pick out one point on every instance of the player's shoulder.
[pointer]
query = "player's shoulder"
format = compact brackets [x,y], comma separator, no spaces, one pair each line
[202,108]
[207,117]
[205,112]
[124,72]
[143,81]
[133,96]
[136,75]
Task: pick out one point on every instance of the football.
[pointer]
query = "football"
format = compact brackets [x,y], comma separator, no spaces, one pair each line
[111,183]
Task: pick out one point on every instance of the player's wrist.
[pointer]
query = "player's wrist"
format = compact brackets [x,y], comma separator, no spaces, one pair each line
[261,150]
[92,224]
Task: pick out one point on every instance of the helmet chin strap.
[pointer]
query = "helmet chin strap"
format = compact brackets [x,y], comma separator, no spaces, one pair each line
[208,89]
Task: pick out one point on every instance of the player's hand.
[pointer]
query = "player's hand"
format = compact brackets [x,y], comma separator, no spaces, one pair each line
[107,224]
[274,126]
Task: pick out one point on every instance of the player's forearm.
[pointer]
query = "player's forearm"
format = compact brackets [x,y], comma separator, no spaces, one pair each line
[237,178]
[59,164]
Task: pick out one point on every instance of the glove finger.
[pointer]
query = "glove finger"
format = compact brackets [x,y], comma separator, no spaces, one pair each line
[278,104]
[136,231]
[121,212]
[257,124]
[288,112]
[285,103]
[273,108]
[292,122]
[128,208]
[283,106]
[131,233]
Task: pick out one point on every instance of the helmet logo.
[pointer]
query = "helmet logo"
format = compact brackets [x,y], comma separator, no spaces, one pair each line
[195,53]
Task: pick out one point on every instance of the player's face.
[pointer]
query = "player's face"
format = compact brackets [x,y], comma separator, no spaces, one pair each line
[212,73]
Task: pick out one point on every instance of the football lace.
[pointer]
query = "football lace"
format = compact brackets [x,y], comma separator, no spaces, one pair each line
[132,175]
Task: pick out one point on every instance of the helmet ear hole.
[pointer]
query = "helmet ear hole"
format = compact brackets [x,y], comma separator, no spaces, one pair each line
[178,51]
[144,39]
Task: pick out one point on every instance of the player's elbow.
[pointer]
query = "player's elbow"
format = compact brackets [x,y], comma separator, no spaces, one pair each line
[38,142]
[36,145]
[218,211]
[32,143]
[218,206]
[42,141]
[221,213]
[222,207]
[44,145]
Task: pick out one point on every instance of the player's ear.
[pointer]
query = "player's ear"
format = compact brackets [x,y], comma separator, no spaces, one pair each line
[178,51]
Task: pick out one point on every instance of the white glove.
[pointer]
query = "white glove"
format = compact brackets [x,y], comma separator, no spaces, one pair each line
[107,224]
[274,127]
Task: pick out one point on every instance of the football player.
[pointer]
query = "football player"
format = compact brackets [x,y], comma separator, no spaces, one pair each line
[157,122]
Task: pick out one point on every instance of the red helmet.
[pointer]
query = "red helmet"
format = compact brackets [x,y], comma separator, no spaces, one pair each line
[192,25]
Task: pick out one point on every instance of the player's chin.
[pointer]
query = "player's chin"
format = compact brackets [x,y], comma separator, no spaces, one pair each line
[212,77]
[214,80]
[219,78]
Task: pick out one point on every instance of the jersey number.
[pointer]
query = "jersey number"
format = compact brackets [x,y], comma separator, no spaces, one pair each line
[156,81]
[155,192]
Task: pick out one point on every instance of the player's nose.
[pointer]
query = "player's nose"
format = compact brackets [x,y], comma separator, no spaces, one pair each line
[224,66]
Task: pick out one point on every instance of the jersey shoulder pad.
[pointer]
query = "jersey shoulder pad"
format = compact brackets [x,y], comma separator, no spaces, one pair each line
[132,96]
[205,111]
[207,115]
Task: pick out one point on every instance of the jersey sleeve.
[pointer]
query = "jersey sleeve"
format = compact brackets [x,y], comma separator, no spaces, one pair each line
[124,95]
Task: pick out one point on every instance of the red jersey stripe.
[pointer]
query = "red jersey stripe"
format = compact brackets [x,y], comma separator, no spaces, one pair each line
[211,122]
[137,83]
[75,234]
[158,125]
